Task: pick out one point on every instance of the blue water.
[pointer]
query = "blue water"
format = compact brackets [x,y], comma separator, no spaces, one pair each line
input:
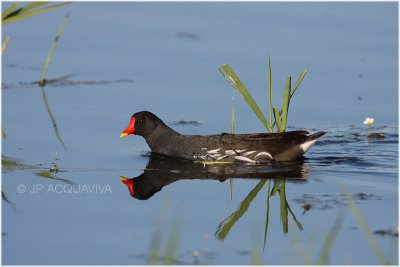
[172,52]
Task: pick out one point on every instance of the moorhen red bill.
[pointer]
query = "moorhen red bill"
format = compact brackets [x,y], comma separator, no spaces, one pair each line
[225,147]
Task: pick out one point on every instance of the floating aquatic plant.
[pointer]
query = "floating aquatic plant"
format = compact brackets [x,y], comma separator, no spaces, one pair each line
[369,121]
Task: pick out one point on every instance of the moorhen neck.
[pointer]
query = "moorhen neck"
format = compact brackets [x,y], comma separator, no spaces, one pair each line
[243,148]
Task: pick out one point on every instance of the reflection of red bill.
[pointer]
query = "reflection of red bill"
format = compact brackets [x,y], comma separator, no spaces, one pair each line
[129,184]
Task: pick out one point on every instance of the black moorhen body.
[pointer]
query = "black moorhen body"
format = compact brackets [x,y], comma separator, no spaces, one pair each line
[244,148]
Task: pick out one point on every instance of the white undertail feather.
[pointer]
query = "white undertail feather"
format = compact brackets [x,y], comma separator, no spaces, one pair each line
[307,145]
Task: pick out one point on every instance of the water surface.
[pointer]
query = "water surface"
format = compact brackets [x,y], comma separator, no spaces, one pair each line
[163,57]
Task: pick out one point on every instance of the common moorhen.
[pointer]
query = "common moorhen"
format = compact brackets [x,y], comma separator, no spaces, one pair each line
[242,148]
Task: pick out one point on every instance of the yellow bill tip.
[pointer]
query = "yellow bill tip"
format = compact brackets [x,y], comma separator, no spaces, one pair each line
[123,135]
[123,179]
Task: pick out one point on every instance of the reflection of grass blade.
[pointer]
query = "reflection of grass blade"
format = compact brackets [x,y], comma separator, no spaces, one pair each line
[299,80]
[323,258]
[53,120]
[285,104]
[299,226]
[267,213]
[236,83]
[283,206]
[21,14]
[226,225]
[51,175]
[52,49]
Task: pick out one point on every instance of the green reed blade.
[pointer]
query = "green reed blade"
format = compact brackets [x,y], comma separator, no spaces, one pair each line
[323,258]
[236,83]
[51,52]
[225,226]
[53,120]
[299,80]
[10,18]
[33,5]
[9,10]
[233,117]
[270,89]
[278,119]
[267,213]
[285,104]
[233,131]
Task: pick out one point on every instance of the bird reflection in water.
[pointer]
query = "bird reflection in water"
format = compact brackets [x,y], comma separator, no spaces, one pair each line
[162,171]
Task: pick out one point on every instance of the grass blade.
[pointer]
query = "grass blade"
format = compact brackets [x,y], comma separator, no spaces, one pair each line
[270,89]
[362,222]
[42,81]
[236,83]
[17,15]
[278,119]
[323,258]
[285,104]
[299,80]
[33,5]
[9,10]
[5,44]
[233,117]
[225,226]
[172,245]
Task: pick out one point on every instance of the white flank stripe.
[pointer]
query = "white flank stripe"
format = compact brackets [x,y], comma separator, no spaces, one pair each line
[230,152]
[245,159]
[213,151]
[222,157]
[249,153]
[307,145]
[262,154]
[239,150]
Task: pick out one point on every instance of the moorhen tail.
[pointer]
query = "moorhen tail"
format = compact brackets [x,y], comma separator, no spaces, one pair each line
[237,148]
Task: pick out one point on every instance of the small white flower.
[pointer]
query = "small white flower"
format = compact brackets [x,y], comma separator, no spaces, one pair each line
[368,121]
